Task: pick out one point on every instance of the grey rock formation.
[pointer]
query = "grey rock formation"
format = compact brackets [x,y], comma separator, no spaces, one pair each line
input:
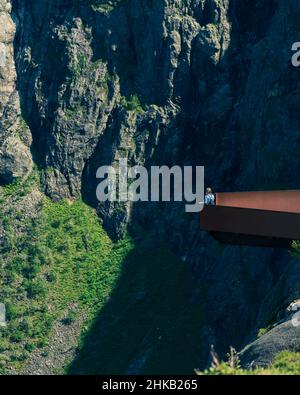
[262,352]
[15,160]
[15,157]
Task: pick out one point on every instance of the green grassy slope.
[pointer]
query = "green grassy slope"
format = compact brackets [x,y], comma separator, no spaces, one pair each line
[152,323]
[142,309]
[62,258]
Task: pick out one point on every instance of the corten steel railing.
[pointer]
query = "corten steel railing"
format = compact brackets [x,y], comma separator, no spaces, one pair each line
[287,201]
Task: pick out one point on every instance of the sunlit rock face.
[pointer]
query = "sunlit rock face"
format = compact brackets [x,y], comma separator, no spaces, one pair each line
[7,68]
[15,138]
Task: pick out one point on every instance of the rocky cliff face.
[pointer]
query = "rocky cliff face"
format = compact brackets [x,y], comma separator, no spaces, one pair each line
[15,158]
[202,82]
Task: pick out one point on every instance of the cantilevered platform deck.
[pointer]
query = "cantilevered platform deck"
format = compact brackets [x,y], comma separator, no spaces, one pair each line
[269,219]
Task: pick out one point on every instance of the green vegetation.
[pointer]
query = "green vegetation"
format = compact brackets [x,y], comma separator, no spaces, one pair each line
[71,317]
[78,64]
[141,307]
[153,320]
[285,363]
[23,129]
[295,251]
[263,331]
[132,104]
[63,258]
[62,266]
[19,188]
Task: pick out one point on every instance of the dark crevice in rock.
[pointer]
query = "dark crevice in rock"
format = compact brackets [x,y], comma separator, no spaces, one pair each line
[202,103]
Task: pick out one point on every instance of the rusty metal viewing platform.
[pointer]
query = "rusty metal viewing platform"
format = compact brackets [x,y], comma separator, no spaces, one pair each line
[266,219]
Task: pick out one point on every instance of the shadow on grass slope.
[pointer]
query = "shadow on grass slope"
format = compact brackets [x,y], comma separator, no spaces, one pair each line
[150,325]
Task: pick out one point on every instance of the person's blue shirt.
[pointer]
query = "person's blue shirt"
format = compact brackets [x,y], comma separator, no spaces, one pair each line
[209,199]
